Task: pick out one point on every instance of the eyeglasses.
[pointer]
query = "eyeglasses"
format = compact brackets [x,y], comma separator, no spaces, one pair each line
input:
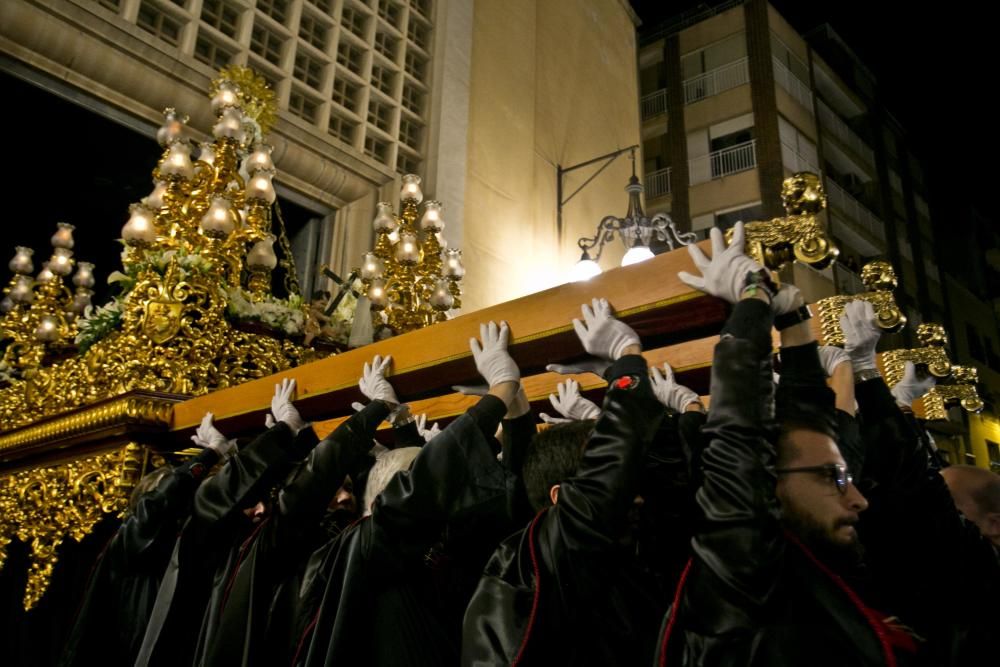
[835,472]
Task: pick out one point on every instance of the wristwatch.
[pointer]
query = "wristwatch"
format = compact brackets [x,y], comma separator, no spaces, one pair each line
[760,279]
[797,316]
[866,374]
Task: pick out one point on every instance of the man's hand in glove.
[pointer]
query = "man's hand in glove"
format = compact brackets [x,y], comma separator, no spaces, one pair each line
[209,437]
[675,396]
[282,408]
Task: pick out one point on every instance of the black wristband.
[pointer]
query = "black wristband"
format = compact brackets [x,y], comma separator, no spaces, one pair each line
[801,314]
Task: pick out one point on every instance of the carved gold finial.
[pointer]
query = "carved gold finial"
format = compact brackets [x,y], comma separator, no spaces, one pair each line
[961,391]
[798,235]
[255,95]
[880,279]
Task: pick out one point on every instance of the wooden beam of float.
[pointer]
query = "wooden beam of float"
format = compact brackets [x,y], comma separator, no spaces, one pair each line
[691,362]
[648,296]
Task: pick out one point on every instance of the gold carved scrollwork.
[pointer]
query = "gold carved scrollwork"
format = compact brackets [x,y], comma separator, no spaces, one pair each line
[797,236]
[880,279]
[962,391]
[44,506]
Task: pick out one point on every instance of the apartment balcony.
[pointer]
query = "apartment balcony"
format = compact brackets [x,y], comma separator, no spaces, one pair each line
[657,183]
[835,125]
[792,85]
[850,207]
[795,161]
[716,81]
[654,104]
[721,163]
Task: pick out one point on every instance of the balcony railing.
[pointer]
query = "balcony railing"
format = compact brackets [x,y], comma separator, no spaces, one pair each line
[724,162]
[716,81]
[792,84]
[657,183]
[795,161]
[841,200]
[654,104]
[842,131]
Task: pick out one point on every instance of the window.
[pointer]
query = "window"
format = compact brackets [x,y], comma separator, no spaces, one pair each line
[732,152]
[308,70]
[386,45]
[419,33]
[266,44]
[345,93]
[113,5]
[784,55]
[221,15]
[422,6]
[154,20]
[342,128]
[797,152]
[390,12]
[715,55]
[993,451]
[380,115]
[413,98]
[302,106]
[351,57]
[384,79]
[410,133]
[416,65]
[276,9]
[355,22]
[313,31]
[211,53]
[407,164]
[377,149]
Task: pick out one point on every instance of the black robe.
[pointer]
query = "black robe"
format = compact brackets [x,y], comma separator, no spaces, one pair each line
[233,631]
[211,541]
[379,593]
[122,588]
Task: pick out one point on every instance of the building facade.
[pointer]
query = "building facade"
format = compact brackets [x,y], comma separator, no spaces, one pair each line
[734,99]
[481,99]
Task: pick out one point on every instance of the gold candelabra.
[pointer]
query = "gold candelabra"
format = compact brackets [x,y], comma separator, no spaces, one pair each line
[410,278]
[797,236]
[199,243]
[39,320]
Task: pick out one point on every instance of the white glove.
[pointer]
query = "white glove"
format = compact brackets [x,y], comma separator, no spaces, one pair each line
[553,420]
[357,407]
[830,357]
[675,396]
[569,403]
[588,365]
[426,433]
[787,299]
[910,387]
[724,275]
[282,408]
[373,383]
[492,360]
[209,437]
[601,334]
[861,334]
